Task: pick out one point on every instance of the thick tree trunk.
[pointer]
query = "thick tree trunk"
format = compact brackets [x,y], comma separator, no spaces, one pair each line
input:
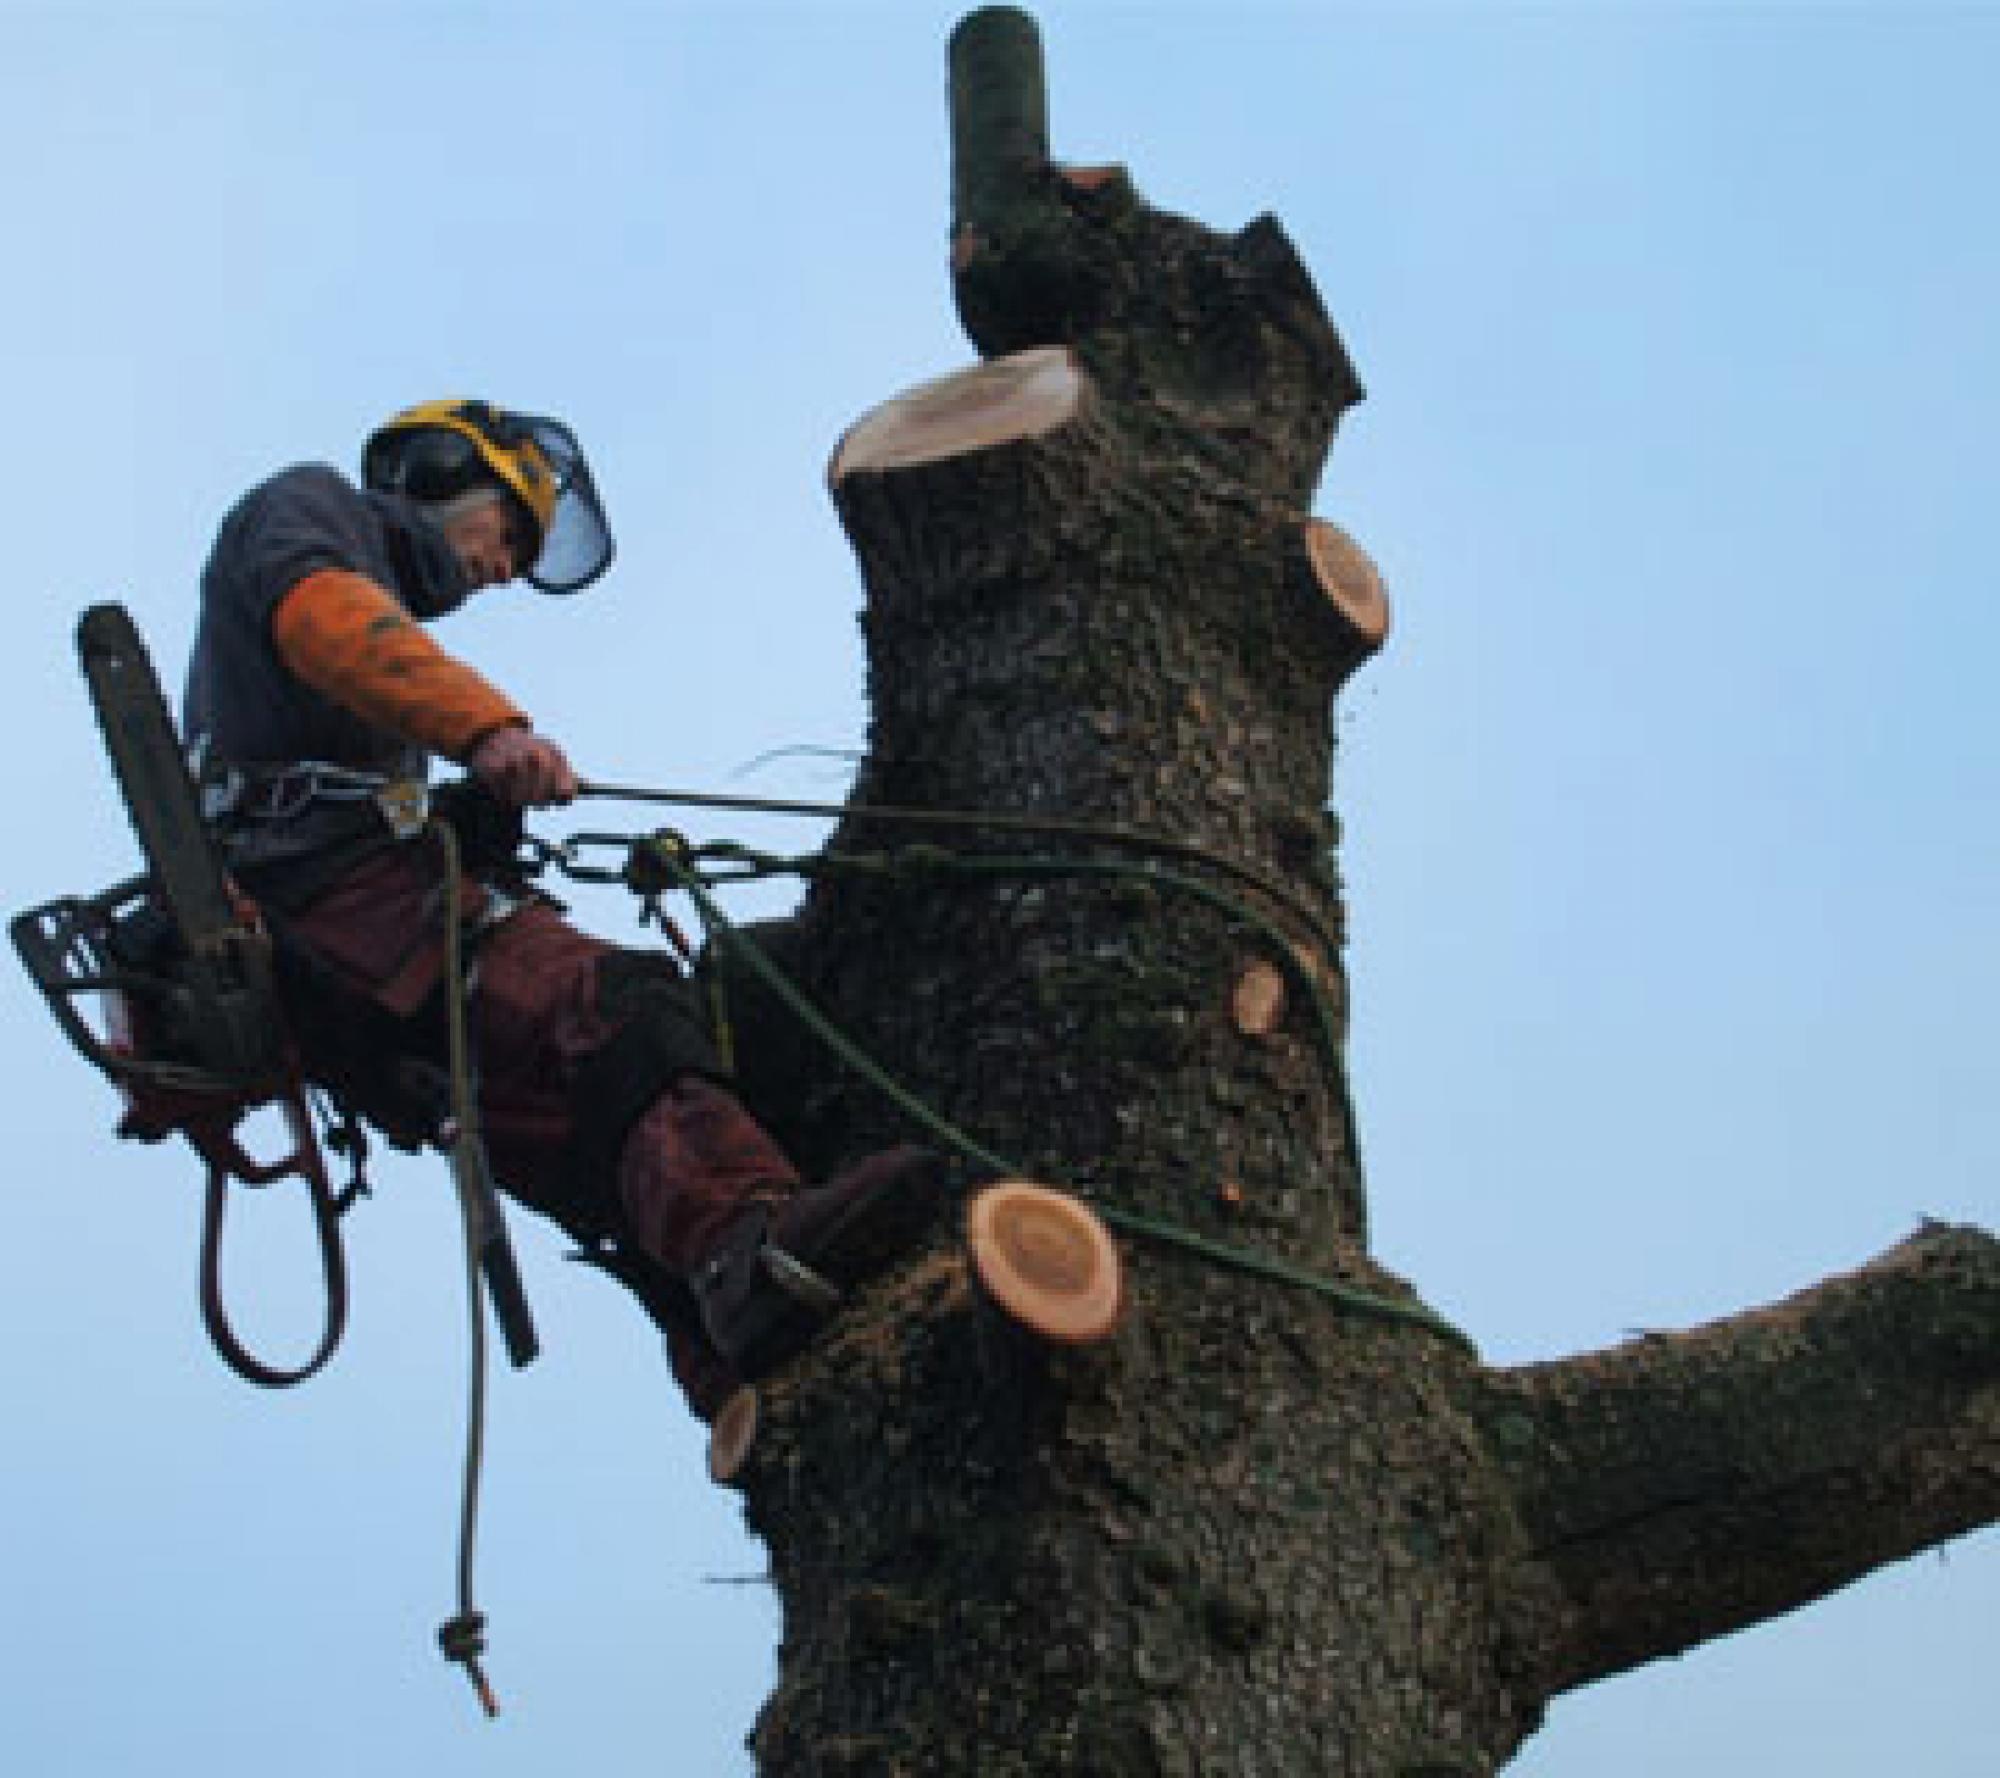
[1263,1528]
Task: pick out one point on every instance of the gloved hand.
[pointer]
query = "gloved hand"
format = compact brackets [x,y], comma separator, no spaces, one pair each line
[489,830]
[523,768]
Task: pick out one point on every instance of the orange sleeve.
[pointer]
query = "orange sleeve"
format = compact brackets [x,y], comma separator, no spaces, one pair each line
[350,641]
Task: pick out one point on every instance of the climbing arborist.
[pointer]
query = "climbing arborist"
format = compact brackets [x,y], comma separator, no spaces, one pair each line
[314,690]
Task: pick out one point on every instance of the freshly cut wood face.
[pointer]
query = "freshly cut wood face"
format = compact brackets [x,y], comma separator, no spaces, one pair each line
[1019,396]
[1258,1002]
[1351,580]
[1046,1260]
[733,1433]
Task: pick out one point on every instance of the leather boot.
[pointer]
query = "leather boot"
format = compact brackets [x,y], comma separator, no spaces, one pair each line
[778,1271]
[711,1200]
[691,1164]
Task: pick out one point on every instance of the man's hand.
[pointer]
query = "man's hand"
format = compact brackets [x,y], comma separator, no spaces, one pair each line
[521,768]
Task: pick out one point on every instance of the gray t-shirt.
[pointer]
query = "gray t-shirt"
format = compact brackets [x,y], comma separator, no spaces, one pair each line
[242,705]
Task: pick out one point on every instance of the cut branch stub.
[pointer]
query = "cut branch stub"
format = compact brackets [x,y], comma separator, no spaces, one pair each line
[731,1435]
[1112,180]
[1334,570]
[1021,396]
[1046,1261]
[1257,1003]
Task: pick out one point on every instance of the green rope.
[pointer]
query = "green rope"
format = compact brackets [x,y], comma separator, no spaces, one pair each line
[1098,833]
[677,860]
[912,860]
[916,858]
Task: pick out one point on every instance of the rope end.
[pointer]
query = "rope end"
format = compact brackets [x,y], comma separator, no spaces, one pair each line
[463,1640]
[487,1701]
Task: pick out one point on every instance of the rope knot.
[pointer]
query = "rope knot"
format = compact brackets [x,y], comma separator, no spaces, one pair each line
[656,860]
[463,1640]
[464,1637]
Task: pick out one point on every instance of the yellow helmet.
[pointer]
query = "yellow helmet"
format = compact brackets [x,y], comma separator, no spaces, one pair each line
[438,450]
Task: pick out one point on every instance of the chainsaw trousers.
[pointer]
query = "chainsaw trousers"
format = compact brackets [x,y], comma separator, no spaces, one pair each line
[599,1096]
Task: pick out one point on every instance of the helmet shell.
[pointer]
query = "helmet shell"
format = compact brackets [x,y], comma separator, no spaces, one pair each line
[439,449]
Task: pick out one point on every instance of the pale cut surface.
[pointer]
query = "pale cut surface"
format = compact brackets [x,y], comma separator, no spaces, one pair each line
[1020,396]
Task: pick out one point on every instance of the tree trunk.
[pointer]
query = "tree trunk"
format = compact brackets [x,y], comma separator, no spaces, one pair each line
[1281,1521]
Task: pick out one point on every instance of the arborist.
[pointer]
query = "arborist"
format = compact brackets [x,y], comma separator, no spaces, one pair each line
[314,690]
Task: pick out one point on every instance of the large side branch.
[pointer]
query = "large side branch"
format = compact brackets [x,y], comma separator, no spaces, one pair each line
[1680,1487]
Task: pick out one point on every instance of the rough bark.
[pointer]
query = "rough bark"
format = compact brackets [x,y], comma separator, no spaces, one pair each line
[1681,1487]
[1255,1531]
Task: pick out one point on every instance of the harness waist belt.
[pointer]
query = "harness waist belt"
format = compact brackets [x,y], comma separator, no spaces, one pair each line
[280,793]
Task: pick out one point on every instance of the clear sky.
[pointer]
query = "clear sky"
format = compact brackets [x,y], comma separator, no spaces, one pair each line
[1671,807]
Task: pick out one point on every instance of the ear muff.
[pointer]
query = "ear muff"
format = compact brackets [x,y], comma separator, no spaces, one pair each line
[429,463]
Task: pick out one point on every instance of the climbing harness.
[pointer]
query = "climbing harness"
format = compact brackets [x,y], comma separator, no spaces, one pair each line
[651,864]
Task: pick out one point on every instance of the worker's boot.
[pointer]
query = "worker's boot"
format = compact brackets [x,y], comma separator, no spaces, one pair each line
[690,1165]
[781,1269]
[711,1199]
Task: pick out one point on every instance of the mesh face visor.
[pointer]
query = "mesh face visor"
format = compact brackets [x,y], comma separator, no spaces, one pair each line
[576,542]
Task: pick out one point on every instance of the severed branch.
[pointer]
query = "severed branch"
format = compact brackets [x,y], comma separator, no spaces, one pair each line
[1683,1486]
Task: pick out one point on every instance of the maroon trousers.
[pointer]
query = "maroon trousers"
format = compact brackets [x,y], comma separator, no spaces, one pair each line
[693,1159]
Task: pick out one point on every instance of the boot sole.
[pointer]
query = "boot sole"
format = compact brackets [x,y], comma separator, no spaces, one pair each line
[875,1233]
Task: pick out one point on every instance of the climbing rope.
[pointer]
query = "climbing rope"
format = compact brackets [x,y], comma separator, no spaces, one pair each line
[1099,833]
[462,1638]
[667,858]
[752,865]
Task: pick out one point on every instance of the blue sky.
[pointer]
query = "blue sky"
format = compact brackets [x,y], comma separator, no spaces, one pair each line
[1670,808]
